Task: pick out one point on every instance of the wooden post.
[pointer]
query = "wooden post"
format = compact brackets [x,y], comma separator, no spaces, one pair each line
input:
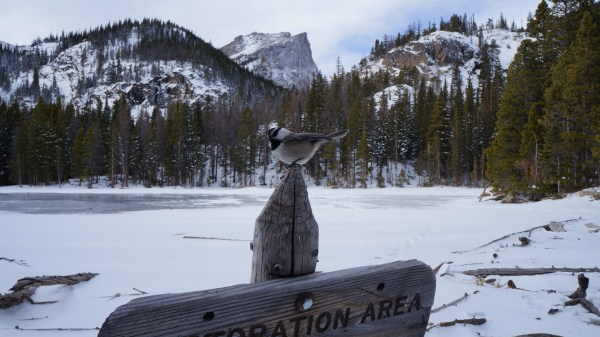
[286,234]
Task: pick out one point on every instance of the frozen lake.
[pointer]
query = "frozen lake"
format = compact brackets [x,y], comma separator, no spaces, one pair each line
[173,240]
[106,203]
[70,203]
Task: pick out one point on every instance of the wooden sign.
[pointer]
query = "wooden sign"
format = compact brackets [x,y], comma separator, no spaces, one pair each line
[392,299]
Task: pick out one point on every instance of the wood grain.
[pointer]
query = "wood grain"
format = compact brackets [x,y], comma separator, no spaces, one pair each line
[286,234]
[392,299]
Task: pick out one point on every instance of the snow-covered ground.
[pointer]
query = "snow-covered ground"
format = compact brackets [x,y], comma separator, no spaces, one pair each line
[144,248]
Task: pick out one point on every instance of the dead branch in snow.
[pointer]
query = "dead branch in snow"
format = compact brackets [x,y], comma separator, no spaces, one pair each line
[515,233]
[483,194]
[578,297]
[473,321]
[19,262]
[455,302]
[437,269]
[538,335]
[38,281]
[499,239]
[589,306]
[34,318]
[24,289]
[117,295]
[211,238]
[55,329]
[141,292]
[528,271]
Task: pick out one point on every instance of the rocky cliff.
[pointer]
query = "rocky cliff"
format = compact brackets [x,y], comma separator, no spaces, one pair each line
[283,58]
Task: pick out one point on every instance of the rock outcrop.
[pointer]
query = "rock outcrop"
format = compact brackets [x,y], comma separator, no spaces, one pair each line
[283,58]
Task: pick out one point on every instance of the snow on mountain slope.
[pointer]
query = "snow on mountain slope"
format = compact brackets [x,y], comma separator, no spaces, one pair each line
[281,57]
[150,63]
[79,76]
[435,54]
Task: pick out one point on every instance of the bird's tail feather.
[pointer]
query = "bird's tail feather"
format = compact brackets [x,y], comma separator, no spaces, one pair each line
[338,134]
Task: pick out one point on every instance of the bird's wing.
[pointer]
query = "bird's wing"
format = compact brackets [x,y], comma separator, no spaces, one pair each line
[297,137]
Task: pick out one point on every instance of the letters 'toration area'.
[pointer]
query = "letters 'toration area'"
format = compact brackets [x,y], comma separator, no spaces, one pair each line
[391,299]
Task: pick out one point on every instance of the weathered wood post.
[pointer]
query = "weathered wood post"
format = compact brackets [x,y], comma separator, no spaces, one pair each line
[286,235]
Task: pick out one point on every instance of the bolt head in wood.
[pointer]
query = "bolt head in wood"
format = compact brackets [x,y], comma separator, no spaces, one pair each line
[304,301]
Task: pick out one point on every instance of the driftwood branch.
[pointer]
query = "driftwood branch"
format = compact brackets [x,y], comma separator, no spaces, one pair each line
[473,321]
[117,295]
[55,329]
[538,335]
[527,271]
[483,194]
[578,297]
[24,289]
[211,238]
[455,302]
[19,262]
[511,234]
[499,239]
[589,306]
[38,281]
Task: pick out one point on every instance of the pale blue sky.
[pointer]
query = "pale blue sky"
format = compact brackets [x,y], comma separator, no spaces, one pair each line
[342,28]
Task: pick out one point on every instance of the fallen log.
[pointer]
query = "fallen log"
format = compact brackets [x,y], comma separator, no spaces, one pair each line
[527,271]
[589,306]
[24,289]
[39,281]
[578,297]
[15,298]
[473,321]
[581,291]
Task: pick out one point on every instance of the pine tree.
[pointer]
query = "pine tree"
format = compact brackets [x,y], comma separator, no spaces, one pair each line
[78,156]
[9,120]
[312,120]
[505,162]
[439,136]
[470,143]
[246,147]
[573,98]
[458,145]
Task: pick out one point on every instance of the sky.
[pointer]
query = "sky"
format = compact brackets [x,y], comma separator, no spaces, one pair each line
[344,29]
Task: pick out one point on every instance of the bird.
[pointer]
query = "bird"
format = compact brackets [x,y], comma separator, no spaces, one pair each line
[297,148]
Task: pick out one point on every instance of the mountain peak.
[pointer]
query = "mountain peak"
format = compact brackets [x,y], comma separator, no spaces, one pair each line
[282,57]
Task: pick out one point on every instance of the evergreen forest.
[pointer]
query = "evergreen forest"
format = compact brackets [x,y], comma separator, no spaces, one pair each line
[533,128]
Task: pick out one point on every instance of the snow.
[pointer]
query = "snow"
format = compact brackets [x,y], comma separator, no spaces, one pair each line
[145,249]
[257,41]
[506,41]
[71,65]
[393,94]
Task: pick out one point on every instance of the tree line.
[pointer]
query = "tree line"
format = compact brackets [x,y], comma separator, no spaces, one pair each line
[535,130]
[436,126]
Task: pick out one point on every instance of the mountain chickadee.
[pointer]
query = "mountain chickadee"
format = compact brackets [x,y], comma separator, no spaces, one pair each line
[297,148]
